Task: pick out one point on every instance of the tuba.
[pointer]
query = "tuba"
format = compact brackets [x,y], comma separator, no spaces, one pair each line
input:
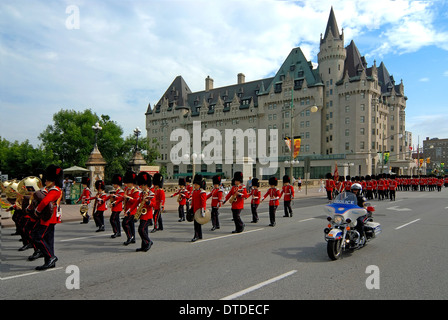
[29,185]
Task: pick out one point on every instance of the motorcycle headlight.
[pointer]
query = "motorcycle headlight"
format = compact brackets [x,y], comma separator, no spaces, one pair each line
[338,219]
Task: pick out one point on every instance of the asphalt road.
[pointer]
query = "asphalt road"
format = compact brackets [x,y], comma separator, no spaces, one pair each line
[285,262]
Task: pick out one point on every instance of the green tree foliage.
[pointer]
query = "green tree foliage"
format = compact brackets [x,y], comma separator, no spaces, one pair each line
[69,142]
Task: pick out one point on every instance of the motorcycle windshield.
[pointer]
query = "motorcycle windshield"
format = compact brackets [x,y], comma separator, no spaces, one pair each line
[343,202]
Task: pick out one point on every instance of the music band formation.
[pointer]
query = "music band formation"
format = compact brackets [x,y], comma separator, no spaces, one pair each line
[141,198]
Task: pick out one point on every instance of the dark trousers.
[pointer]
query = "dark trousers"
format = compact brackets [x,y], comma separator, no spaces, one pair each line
[128,225]
[98,217]
[329,195]
[253,208]
[27,231]
[392,194]
[181,212]
[143,232]
[158,222]
[197,230]
[272,210]
[115,221]
[43,238]
[215,217]
[239,225]
[287,207]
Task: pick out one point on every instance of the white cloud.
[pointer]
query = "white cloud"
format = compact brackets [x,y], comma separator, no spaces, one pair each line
[126,53]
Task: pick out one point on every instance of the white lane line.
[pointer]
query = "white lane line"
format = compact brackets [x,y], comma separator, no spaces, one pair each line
[81,238]
[306,219]
[28,274]
[404,225]
[226,236]
[258,286]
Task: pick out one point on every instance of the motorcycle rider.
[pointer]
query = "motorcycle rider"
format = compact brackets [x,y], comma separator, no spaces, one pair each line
[356,188]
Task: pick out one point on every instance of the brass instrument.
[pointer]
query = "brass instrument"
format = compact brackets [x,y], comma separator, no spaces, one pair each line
[179,197]
[232,199]
[202,219]
[10,188]
[141,207]
[29,185]
[83,210]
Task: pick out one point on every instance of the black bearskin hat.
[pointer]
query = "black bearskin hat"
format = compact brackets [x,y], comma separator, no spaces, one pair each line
[130,177]
[286,179]
[117,179]
[54,174]
[197,179]
[273,181]
[157,180]
[238,176]
[188,179]
[216,179]
[328,175]
[99,184]
[144,179]
[255,182]
[182,182]
[86,181]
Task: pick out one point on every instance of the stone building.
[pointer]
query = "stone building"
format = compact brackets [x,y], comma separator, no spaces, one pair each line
[360,115]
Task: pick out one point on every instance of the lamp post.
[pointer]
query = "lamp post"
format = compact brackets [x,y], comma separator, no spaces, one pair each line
[194,156]
[313,109]
[383,147]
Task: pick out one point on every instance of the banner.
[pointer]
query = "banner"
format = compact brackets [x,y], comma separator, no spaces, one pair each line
[336,172]
[297,142]
[386,157]
[421,162]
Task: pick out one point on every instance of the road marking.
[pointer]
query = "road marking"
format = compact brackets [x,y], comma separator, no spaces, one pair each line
[258,286]
[229,235]
[406,224]
[306,219]
[81,238]
[28,274]
[396,208]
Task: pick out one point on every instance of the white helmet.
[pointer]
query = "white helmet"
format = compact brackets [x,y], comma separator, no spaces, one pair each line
[356,186]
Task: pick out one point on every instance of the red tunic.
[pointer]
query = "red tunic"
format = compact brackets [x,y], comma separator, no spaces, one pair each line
[288,192]
[274,195]
[198,199]
[132,202]
[256,195]
[117,200]
[242,195]
[149,204]
[184,194]
[216,195]
[52,195]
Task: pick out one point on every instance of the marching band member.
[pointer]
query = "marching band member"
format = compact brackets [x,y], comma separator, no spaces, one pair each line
[288,192]
[189,188]
[159,202]
[100,205]
[239,193]
[182,194]
[255,200]
[116,205]
[131,196]
[146,203]
[198,202]
[274,195]
[43,234]
[216,195]
[85,197]
[329,186]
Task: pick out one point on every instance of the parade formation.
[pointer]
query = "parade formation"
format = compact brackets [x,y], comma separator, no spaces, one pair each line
[140,198]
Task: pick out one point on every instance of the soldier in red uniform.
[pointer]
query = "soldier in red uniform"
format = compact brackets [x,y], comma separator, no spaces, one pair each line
[217,197]
[255,200]
[182,194]
[146,200]
[116,205]
[329,186]
[159,202]
[99,205]
[274,195]
[288,194]
[131,197]
[189,189]
[240,193]
[393,184]
[43,234]
[85,198]
[198,202]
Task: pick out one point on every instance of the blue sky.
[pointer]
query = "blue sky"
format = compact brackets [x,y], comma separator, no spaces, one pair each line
[121,55]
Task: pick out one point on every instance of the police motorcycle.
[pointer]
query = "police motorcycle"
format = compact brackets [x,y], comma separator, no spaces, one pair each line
[341,233]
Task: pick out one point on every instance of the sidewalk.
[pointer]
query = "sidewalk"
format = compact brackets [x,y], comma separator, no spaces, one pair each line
[71,212]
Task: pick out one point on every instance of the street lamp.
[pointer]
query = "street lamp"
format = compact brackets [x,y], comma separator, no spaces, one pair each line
[194,157]
[383,147]
[313,109]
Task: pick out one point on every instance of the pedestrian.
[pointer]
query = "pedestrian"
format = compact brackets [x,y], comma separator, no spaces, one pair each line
[67,186]
[299,184]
